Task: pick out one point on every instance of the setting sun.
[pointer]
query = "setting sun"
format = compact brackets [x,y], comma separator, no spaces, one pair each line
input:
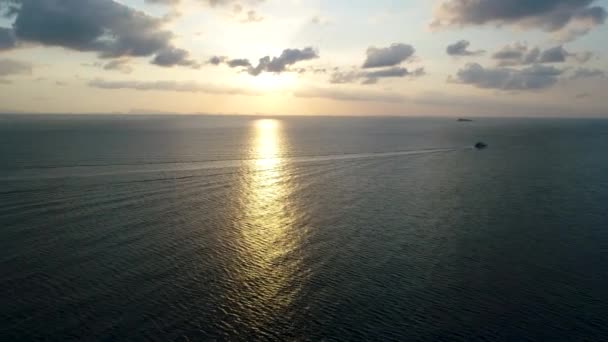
[270,81]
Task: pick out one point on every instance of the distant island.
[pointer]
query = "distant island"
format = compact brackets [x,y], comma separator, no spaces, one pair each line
[464,120]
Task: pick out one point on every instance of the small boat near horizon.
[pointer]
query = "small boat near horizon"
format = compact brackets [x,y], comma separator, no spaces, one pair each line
[480,145]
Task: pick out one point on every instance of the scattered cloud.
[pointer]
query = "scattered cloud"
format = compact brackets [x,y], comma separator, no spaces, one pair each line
[109,28]
[235,63]
[521,54]
[581,73]
[279,64]
[121,65]
[216,60]
[389,56]
[535,77]
[568,18]
[372,77]
[275,65]
[171,56]
[188,87]
[383,62]
[461,48]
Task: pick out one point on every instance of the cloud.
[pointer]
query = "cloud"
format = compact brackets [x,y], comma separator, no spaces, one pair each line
[106,27]
[460,48]
[584,57]
[211,3]
[252,17]
[535,77]
[162,2]
[7,39]
[235,63]
[521,54]
[13,67]
[582,73]
[348,95]
[188,87]
[573,17]
[388,57]
[516,54]
[216,60]
[121,65]
[171,56]
[372,77]
[275,65]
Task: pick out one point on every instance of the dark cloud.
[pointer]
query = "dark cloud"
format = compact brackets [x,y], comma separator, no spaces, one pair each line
[548,15]
[106,27]
[532,78]
[521,54]
[372,77]
[7,39]
[388,57]
[216,60]
[275,65]
[554,55]
[13,67]
[279,64]
[171,56]
[189,87]
[235,63]
[461,48]
[516,54]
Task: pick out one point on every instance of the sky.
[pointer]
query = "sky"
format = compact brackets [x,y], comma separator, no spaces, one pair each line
[298,57]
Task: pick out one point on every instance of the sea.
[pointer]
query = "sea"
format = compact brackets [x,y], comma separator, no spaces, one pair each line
[247,228]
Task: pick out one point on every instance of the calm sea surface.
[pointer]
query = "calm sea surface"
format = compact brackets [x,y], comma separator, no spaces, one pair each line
[237,228]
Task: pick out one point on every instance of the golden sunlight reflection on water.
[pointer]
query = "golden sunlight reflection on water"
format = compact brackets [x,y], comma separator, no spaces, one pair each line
[268,240]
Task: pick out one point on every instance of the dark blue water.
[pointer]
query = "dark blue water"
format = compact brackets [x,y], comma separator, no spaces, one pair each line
[235,228]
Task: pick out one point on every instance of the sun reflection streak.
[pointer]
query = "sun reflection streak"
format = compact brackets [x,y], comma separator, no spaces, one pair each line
[268,241]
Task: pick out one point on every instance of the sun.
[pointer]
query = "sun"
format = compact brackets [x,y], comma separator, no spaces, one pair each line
[270,81]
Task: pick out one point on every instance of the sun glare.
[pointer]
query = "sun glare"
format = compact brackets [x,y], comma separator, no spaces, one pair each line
[269,81]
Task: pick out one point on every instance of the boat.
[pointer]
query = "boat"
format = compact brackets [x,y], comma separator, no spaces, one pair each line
[464,120]
[480,145]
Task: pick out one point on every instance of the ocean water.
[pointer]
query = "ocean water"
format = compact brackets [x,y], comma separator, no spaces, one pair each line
[241,228]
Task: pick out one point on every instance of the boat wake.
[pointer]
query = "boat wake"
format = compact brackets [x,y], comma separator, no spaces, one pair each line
[118,169]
